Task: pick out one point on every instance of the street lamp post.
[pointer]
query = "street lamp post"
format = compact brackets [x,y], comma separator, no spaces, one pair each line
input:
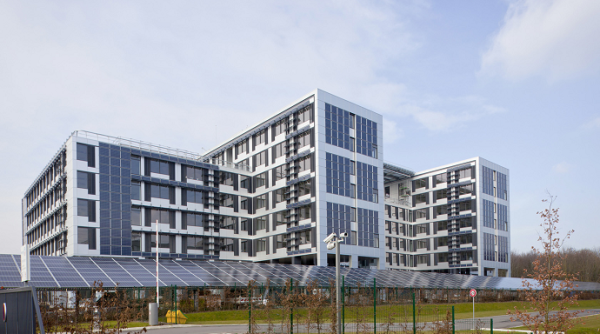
[333,240]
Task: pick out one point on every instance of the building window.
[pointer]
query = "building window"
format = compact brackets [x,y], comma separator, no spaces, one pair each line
[136,216]
[86,236]
[441,209]
[465,222]
[304,188]
[303,140]
[261,223]
[166,217]
[368,228]
[160,191]
[136,241]
[367,188]
[86,153]
[339,170]
[261,245]
[421,213]
[136,163]
[304,163]
[259,180]
[227,245]
[159,166]
[466,239]
[260,158]
[464,173]
[136,190]
[226,200]
[86,181]
[442,226]
[279,127]
[244,246]
[466,189]
[421,198]
[366,137]
[241,147]
[261,201]
[465,206]
[420,183]
[227,222]
[191,219]
[194,173]
[441,178]
[441,194]
[86,208]
[304,237]
[195,243]
[278,150]
[338,123]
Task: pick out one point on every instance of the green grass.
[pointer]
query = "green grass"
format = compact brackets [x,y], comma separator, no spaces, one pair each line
[461,311]
[589,324]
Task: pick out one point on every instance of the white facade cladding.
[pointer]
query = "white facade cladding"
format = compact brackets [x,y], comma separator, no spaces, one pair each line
[452,219]
[270,194]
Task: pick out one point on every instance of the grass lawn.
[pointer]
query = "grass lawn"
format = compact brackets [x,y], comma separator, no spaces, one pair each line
[461,311]
[589,324]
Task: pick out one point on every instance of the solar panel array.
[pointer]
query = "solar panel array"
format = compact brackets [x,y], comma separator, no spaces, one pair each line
[82,272]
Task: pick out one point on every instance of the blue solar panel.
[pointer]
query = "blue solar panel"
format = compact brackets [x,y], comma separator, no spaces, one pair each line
[128,272]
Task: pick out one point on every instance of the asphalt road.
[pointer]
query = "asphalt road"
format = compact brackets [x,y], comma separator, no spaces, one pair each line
[500,322]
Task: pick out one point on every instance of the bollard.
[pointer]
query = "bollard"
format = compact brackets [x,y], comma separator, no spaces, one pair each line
[153,314]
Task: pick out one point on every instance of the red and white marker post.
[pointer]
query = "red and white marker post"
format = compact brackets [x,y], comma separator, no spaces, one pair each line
[473,293]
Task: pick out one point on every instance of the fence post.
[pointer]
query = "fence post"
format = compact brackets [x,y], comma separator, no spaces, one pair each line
[176,304]
[249,310]
[374,305]
[414,314]
[453,319]
[291,308]
[343,306]
[491,325]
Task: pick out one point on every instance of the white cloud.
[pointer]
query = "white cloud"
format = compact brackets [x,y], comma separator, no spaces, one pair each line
[593,124]
[556,39]
[562,167]
[443,114]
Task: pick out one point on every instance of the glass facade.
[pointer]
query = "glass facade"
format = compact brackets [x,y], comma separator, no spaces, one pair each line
[366,177]
[339,218]
[368,228]
[487,208]
[339,170]
[366,137]
[338,123]
[115,199]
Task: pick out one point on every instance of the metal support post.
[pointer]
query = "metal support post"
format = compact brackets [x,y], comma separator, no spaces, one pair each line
[414,315]
[337,287]
[453,319]
[374,305]
[343,306]
[291,308]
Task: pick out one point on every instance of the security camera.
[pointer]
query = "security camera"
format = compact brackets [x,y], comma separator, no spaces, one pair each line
[329,238]
[344,235]
[331,245]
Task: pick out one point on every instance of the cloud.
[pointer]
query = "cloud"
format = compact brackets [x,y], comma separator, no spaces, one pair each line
[593,124]
[562,168]
[556,39]
[444,114]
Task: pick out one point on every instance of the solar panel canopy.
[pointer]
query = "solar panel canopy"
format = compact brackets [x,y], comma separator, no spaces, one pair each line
[83,272]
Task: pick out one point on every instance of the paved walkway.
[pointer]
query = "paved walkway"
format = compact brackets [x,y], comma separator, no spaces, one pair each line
[500,322]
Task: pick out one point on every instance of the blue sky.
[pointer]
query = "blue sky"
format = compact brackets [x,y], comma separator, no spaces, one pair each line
[515,82]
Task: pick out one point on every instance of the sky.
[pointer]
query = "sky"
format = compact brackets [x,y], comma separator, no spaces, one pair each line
[515,82]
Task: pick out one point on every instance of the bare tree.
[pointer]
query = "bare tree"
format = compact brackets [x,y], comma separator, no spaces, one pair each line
[549,292]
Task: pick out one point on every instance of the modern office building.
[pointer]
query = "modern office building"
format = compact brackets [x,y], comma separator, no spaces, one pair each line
[272,194]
